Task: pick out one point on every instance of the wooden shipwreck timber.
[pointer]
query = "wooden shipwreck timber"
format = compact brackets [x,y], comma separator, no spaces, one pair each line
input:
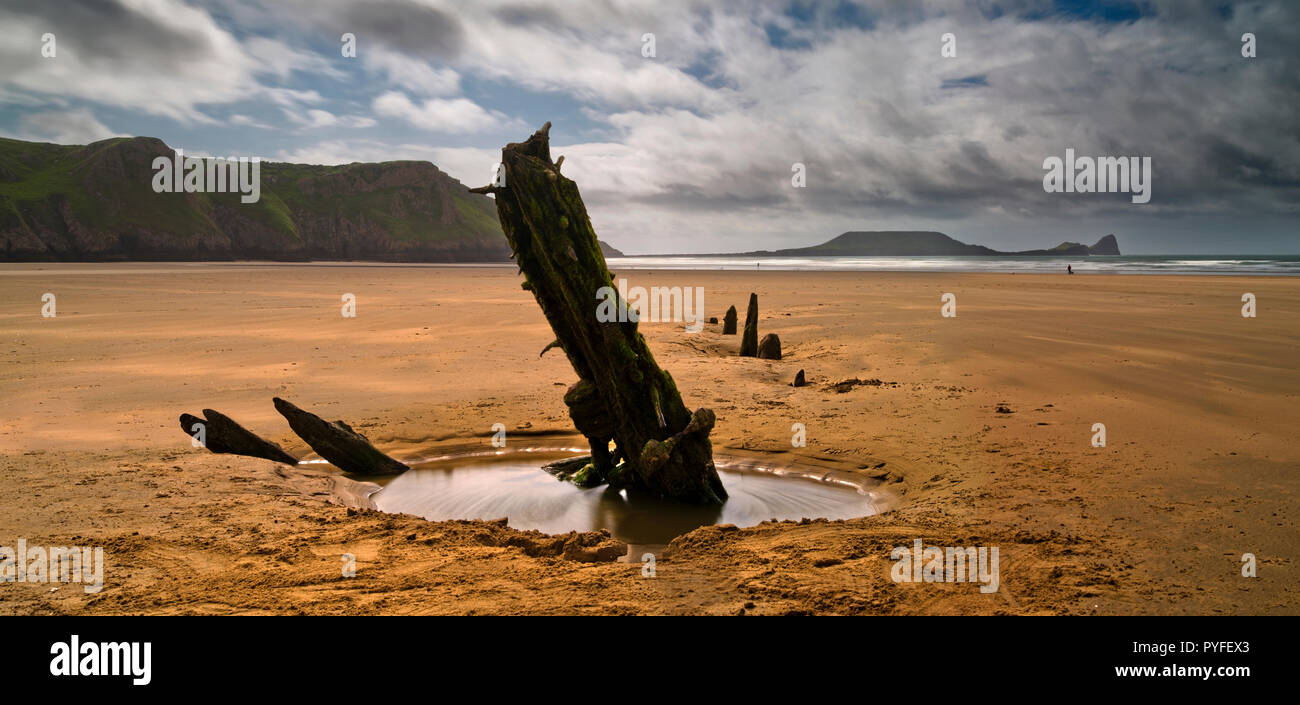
[621,396]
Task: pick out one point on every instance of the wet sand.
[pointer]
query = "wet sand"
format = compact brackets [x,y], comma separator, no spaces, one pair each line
[1199,404]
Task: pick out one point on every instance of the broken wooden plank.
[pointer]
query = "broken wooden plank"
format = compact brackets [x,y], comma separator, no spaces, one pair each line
[336,442]
[220,434]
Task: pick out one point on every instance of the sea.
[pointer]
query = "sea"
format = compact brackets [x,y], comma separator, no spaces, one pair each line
[1254,265]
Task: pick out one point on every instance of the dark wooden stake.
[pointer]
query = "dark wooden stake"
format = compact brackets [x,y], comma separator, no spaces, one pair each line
[749,339]
[729,322]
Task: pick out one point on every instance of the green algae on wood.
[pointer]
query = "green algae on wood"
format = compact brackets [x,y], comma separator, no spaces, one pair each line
[621,395]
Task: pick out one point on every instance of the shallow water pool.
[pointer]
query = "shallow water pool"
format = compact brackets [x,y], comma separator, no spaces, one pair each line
[517,487]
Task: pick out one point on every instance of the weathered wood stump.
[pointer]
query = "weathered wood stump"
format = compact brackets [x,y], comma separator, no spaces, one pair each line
[222,435]
[749,339]
[621,395]
[769,348]
[729,322]
[336,442]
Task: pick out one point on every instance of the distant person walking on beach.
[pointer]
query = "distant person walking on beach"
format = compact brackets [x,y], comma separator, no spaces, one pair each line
[1069,269]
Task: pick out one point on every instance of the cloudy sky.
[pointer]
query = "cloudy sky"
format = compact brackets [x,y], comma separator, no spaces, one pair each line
[691,149]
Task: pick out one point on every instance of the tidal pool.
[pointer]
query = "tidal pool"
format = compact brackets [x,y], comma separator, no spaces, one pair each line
[515,486]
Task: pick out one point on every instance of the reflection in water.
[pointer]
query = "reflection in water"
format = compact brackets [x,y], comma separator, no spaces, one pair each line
[633,517]
[532,499]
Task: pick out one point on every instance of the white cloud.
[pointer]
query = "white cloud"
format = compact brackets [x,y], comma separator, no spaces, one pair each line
[469,165]
[281,59]
[246,121]
[414,75]
[291,98]
[323,118]
[161,57]
[456,115]
[63,127]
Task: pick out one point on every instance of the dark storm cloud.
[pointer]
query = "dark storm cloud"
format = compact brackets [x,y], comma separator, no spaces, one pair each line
[108,30]
[1231,162]
[418,29]
[530,16]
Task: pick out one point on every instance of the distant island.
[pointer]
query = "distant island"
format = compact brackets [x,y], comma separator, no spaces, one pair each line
[609,250]
[911,243]
[916,243]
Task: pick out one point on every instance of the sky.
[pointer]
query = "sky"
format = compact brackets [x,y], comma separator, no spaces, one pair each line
[692,147]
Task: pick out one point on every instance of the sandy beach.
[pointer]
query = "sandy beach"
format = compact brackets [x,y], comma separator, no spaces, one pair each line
[982,428]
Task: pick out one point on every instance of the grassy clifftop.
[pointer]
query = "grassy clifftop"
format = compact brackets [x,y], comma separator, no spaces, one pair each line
[96,202]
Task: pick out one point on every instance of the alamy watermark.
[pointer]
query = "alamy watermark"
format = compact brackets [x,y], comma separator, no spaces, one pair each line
[951,564]
[660,304]
[209,175]
[56,564]
[1099,175]
[948,45]
[103,658]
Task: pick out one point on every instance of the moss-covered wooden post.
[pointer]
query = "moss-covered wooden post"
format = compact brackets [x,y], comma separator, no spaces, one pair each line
[749,339]
[621,394]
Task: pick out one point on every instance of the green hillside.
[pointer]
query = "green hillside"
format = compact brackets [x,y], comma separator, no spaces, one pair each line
[96,202]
